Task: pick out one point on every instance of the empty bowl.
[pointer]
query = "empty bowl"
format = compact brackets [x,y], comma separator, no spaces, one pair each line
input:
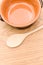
[20,13]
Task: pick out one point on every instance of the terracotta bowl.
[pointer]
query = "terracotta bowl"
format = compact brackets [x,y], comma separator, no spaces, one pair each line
[20,13]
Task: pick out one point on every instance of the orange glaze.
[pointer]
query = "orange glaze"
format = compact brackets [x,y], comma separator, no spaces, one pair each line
[20,14]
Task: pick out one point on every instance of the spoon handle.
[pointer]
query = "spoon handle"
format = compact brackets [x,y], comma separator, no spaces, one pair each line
[33,31]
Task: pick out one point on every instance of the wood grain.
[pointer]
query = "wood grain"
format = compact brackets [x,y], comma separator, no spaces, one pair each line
[31,50]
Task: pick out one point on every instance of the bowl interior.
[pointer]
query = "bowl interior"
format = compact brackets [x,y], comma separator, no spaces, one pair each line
[7,3]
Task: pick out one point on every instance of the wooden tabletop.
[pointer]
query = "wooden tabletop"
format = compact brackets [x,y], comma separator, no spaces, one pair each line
[31,50]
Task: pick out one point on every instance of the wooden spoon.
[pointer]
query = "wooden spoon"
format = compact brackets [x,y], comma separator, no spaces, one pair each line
[16,39]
